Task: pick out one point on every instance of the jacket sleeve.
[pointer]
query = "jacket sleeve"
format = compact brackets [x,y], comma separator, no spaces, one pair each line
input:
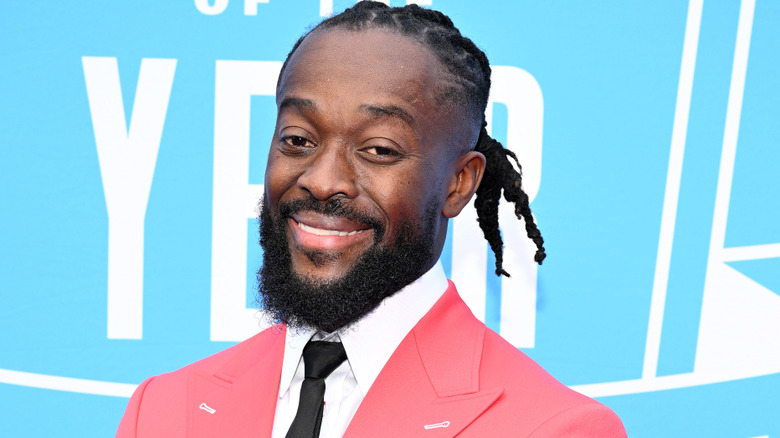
[129,423]
[589,420]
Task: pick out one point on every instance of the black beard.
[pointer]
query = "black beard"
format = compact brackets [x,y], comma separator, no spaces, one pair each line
[303,302]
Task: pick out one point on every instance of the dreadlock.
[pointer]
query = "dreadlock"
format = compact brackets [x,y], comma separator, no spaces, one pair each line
[467,84]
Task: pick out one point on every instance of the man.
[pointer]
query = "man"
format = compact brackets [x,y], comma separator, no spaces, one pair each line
[379,140]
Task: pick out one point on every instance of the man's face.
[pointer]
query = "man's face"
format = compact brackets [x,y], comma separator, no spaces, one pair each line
[358,127]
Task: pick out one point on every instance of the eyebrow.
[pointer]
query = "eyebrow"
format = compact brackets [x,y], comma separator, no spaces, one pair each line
[376,111]
[381,111]
[298,103]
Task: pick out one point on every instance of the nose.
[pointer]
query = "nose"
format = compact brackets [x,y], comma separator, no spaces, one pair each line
[329,174]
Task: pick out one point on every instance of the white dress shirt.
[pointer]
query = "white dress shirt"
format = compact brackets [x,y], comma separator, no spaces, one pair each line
[369,344]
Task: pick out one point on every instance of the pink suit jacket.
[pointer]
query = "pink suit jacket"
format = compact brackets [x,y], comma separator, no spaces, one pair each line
[450,376]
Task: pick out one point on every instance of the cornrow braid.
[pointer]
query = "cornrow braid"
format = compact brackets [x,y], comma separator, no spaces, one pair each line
[466,84]
[501,176]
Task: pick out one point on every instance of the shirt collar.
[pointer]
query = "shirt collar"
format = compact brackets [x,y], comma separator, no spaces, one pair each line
[370,342]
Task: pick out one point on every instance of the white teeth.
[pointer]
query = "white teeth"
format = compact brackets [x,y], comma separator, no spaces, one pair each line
[321,232]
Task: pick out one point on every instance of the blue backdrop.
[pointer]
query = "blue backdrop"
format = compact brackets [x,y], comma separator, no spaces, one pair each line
[133,138]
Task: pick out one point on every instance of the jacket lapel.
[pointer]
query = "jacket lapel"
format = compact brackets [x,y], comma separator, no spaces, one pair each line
[240,399]
[430,386]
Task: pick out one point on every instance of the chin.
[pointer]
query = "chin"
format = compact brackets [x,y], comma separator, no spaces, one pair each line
[298,292]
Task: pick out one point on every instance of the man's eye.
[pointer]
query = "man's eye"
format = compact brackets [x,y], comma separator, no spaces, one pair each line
[297,141]
[381,151]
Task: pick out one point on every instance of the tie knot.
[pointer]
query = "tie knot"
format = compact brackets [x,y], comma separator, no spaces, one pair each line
[320,358]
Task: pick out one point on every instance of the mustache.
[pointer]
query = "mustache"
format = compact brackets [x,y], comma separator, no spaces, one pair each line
[338,207]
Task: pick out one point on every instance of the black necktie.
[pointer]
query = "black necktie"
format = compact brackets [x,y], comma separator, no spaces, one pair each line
[320,358]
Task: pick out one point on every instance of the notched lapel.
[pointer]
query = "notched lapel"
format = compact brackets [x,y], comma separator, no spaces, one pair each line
[207,405]
[458,411]
[430,386]
[450,340]
[239,399]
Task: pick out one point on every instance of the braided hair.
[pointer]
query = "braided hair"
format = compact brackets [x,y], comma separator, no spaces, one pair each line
[467,83]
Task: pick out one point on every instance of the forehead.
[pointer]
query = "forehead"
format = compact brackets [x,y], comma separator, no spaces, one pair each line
[363,65]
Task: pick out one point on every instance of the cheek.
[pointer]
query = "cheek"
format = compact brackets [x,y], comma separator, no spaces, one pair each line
[279,177]
[405,199]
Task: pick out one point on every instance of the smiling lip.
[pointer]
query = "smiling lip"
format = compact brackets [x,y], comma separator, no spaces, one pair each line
[314,231]
[321,232]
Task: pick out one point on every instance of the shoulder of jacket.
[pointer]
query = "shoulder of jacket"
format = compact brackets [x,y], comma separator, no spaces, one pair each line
[215,362]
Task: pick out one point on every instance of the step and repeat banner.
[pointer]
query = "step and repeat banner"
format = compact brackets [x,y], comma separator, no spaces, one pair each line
[133,139]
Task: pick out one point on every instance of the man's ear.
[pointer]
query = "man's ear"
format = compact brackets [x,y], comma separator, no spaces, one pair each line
[469,169]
